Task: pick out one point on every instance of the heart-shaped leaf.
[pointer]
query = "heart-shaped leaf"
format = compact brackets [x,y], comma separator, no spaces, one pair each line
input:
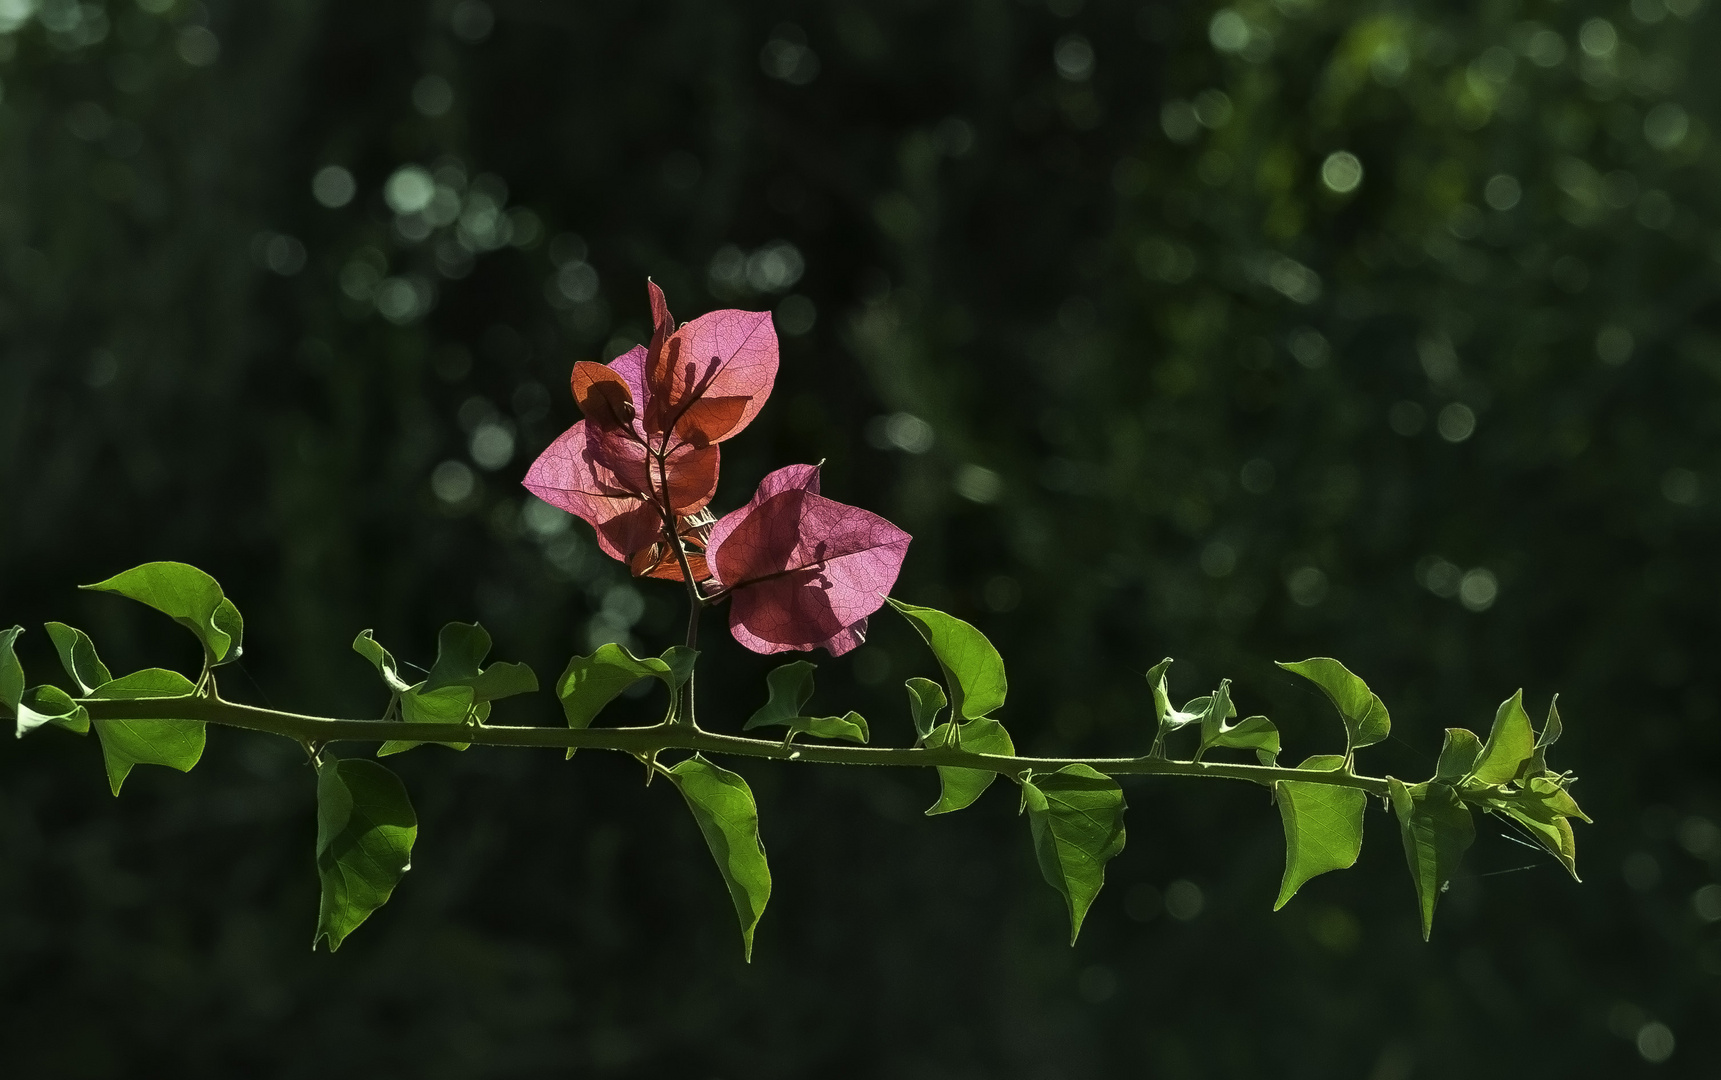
[1511,742]
[1076,815]
[1458,754]
[1550,735]
[78,657]
[451,705]
[958,788]
[592,682]
[1366,719]
[178,744]
[791,686]
[365,831]
[460,652]
[1255,733]
[973,670]
[722,804]
[11,671]
[383,660]
[190,597]
[1323,826]
[925,701]
[1437,830]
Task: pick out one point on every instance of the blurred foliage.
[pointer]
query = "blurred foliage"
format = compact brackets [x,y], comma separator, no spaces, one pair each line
[1386,332]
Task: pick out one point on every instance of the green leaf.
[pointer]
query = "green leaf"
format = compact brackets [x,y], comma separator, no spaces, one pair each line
[452,705]
[592,682]
[383,660]
[723,806]
[178,744]
[1323,826]
[1255,733]
[40,704]
[958,788]
[188,595]
[925,701]
[1552,831]
[790,688]
[1551,731]
[228,620]
[1437,830]
[460,652]
[50,705]
[365,833]
[1166,718]
[1366,719]
[1544,815]
[973,669]
[11,671]
[1457,755]
[1510,743]
[1077,818]
[78,657]
[1161,698]
[850,727]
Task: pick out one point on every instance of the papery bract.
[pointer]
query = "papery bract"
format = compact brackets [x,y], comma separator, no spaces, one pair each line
[646,452]
[803,571]
[567,476]
[707,380]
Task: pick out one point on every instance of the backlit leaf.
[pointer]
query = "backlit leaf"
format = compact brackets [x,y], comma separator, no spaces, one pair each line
[50,705]
[1366,719]
[228,620]
[973,670]
[383,660]
[78,657]
[592,682]
[451,705]
[188,595]
[1166,718]
[958,788]
[925,701]
[1076,815]
[178,744]
[1437,829]
[37,705]
[791,686]
[11,671]
[1510,743]
[1255,733]
[365,831]
[1550,735]
[460,652]
[1458,755]
[1323,826]
[723,806]
[1544,820]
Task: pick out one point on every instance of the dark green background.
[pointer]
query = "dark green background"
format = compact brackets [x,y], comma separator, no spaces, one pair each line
[1207,393]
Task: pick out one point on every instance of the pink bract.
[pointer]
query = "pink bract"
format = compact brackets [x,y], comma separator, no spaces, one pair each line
[567,476]
[649,453]
[803,571]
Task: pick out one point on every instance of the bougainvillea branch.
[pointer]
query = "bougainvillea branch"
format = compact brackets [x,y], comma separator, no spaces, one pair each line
[799,571]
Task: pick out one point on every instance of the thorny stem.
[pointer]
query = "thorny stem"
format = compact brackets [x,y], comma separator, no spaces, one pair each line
[646,742]
[695,602]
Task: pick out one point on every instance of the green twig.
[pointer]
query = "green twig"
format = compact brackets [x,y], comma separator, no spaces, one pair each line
[650,740]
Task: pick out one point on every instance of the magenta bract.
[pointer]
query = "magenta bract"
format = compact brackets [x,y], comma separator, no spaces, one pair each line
[803,571]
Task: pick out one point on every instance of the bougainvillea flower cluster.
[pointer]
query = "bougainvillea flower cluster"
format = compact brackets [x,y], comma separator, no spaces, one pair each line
[800,571]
